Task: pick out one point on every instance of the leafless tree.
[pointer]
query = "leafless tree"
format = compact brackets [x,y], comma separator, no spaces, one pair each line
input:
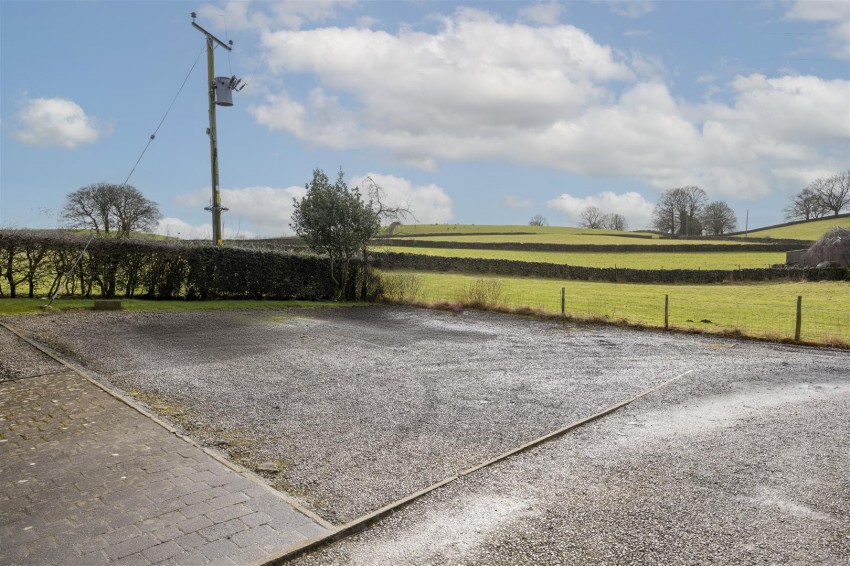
[718,218]
[110,210]
[678,209]
[591,217]
[805,205]
[834,192]
[615,221]
[538,220]
[388,214]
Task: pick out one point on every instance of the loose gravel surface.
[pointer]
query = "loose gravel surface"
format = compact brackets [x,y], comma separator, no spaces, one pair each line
[17,362]
[744,459]
[744,466]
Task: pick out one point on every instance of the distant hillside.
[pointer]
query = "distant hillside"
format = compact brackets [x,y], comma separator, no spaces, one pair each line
[800,230]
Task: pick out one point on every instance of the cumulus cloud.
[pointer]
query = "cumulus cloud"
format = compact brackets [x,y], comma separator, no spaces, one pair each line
[630,8]
[411,90]
[542,13]
[54,122]
[835,14]
[480,88]
[632,205]
[429,203]
[177,228]
[266,211]
[518,203]
[290,14]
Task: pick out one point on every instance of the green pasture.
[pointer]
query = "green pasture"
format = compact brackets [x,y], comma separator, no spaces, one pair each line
[628,260]
[33,306]
[449,229]
[766,310]
[812,230]
[584,237]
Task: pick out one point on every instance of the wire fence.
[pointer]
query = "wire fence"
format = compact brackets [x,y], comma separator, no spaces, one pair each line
[764,310]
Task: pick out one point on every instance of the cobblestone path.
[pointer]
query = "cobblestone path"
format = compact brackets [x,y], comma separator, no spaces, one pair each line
[87,479]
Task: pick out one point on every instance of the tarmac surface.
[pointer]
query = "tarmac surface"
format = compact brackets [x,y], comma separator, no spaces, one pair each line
[87,479]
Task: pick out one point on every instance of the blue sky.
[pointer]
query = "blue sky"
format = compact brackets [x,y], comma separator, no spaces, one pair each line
[469,112]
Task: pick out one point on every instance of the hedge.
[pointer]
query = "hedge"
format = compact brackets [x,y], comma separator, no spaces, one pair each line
[393,260]
[39,260]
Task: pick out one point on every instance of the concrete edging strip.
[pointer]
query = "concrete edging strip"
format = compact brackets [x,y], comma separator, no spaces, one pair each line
[363,521]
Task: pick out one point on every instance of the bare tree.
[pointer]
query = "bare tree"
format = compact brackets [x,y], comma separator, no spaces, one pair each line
[615,221]
[805,205]
[110,210]
[538,220]
[386,213]
[678,209]
[591,217]
[834,192]
[718,218]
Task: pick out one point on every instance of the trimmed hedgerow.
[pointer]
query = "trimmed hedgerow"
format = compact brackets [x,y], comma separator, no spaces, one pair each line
[39,261]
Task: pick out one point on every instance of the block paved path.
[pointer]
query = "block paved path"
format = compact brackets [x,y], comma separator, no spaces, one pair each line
[86,479]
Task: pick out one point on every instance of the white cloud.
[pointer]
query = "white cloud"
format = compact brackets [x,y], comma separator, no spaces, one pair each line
[429,204]
[630,8]
[834,13]
[542,13]
[54,122]
[290,14]
[518,202]
[632,205]
[478,75]
[480,88]
[177,228]
[266,211]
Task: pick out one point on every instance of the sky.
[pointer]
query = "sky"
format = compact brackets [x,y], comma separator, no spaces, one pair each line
[466,112]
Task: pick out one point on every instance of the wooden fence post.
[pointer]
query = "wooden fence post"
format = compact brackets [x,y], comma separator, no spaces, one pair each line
[799,318]
[563,301]
[666,312]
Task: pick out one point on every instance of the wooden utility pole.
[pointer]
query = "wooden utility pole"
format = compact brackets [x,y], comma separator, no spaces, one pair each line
[215,207]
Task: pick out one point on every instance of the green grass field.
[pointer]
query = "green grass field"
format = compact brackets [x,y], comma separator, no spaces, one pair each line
[765,310]
[807,231]
[633,260]
[33,306]
[585,237]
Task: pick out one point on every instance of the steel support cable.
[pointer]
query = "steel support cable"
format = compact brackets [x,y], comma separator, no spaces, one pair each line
[133,170]
[164,116]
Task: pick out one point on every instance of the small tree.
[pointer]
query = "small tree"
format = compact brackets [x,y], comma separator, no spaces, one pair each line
[834,192]
[615,221]
[333,219]
[678,209]
[591,217]
[110,210]
[538,220]
[718,218]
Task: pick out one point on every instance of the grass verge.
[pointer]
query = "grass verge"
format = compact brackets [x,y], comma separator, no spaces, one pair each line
[34,306]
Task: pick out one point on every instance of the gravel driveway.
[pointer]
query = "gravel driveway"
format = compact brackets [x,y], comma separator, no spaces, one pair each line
[361,406]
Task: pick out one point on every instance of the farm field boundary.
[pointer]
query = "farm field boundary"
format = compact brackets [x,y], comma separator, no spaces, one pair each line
[601,248]
[632,260]
[419,262]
